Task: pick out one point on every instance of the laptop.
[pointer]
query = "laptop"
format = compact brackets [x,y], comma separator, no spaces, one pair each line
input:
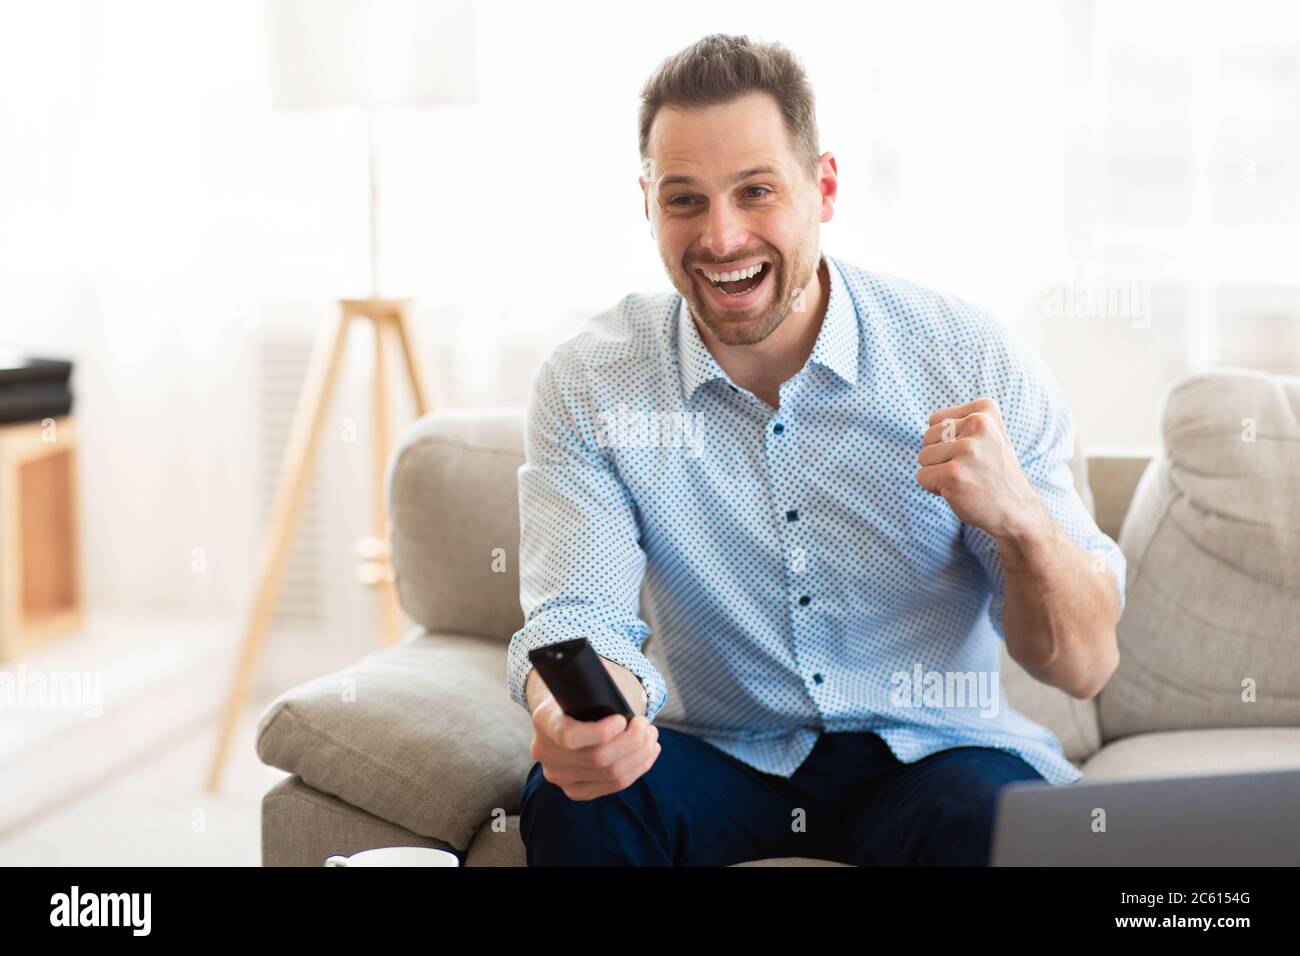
[1228,819]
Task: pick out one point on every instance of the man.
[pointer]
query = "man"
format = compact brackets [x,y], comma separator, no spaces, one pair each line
[839,490]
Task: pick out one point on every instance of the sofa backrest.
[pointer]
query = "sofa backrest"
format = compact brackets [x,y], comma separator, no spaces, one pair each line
[453,504]
[453,509]
[1210,635]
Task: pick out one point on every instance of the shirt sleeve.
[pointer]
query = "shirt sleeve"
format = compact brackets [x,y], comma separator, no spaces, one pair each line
[1041,428]
[580,558]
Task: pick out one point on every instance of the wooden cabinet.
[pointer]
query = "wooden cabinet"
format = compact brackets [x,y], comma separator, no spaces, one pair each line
[40,551]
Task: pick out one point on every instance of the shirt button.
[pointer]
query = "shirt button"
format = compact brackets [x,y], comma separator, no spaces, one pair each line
[817,678]
[792,516]
[804,599]
[778,428]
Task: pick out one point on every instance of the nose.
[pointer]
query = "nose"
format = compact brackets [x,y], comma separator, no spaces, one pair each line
[724,230]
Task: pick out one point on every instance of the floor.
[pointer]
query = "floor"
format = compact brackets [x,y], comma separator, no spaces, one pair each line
[123,782]
[158,812]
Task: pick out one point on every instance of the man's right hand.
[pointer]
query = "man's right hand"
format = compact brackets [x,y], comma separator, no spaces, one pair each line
[590,758]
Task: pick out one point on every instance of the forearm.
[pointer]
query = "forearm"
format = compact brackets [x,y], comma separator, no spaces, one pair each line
[1061,608]
[628,684]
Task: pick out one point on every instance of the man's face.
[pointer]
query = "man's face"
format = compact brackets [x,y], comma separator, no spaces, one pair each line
[724,193]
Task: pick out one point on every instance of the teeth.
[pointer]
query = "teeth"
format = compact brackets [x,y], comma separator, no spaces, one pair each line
[733,276]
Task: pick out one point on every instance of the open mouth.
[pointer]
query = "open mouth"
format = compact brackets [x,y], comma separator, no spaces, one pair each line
[735,288]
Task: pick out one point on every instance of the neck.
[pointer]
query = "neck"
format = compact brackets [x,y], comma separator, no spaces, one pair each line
[764,366]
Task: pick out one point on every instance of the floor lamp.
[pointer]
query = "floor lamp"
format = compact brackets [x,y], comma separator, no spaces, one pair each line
[353,53]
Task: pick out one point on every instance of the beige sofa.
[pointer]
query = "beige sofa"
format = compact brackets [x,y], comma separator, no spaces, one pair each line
[418,744]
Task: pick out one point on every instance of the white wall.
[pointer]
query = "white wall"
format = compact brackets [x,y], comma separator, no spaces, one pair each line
[156,216]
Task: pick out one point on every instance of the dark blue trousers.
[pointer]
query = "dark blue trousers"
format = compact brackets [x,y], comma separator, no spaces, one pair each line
[851,801]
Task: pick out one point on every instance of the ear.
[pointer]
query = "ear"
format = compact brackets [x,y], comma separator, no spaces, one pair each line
[827,185]
[645,196]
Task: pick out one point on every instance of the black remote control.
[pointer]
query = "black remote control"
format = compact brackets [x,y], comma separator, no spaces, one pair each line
[579,682]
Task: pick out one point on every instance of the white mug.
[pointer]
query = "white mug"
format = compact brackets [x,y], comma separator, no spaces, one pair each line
[397,856]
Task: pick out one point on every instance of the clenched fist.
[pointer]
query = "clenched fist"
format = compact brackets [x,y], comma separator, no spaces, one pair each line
[969,461]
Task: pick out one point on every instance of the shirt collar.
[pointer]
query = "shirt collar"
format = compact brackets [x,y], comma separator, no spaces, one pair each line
[836,346]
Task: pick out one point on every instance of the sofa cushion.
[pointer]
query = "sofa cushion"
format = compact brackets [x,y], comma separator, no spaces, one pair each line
[421,734]
[1210,635]
[1179,753]
[498,843]
[454,508]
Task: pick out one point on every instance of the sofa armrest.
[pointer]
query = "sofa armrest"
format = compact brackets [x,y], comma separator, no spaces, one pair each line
[422,734]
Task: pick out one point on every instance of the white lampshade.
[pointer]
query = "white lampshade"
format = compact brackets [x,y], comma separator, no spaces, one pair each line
[370,52]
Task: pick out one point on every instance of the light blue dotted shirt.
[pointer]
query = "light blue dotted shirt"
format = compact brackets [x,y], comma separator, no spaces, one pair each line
[773,574]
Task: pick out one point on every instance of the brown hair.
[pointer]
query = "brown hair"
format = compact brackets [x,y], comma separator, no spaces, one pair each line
[718,69]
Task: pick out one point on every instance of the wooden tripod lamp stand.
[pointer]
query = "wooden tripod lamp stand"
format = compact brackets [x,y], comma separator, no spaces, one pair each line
[350,53]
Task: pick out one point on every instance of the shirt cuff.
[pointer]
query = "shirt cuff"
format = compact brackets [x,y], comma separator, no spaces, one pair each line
[606,643]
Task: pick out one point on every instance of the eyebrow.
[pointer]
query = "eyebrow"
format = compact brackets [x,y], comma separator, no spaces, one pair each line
[742,175]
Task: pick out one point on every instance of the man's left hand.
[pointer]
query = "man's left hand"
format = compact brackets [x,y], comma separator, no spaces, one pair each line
[969,461]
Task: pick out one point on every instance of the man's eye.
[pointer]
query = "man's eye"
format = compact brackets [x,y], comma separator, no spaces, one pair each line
[674,200]
[763,190]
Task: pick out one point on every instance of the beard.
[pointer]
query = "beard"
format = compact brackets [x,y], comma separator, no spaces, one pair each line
[788,276]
